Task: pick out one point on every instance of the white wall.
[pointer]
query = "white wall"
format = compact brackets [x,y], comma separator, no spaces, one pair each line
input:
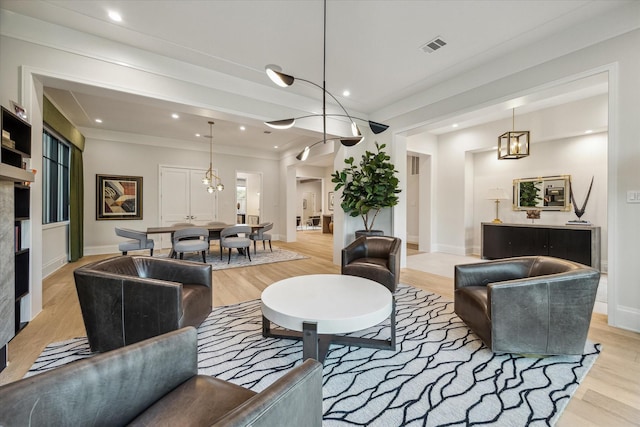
[581,157]
[133,158]
[55,247]
[65,54]
[470,170]
[619,58]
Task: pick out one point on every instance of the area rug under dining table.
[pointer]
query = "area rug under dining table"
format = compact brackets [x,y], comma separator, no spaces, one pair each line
[440,374]
[261,257]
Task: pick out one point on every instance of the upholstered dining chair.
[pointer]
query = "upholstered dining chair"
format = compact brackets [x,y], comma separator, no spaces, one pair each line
[192,239]
[375,258]
[260,234]
[140,241]
[229,239]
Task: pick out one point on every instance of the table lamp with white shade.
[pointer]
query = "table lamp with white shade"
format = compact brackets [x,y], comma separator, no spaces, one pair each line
[497,194]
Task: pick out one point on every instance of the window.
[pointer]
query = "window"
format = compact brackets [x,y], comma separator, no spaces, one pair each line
[55,191]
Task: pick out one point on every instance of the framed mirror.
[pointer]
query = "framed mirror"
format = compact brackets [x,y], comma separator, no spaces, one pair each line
[548,193]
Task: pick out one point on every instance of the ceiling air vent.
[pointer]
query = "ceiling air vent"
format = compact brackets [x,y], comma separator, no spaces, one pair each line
[433,45]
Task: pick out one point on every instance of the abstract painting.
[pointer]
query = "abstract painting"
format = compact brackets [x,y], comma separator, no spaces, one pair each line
[118,197]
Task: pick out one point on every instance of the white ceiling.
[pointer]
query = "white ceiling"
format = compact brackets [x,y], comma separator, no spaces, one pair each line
[373,50]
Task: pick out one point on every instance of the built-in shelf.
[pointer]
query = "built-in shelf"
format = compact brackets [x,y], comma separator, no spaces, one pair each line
[15,213]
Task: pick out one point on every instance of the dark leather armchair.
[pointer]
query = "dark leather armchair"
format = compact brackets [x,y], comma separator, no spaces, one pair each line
[530,305]
[374,257]
[156,382]
[128,299]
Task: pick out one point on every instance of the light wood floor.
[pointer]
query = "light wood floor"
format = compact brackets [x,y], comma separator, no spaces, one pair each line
[609,395]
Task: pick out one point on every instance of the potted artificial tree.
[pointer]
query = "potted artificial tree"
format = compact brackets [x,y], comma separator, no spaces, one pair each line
[368,187]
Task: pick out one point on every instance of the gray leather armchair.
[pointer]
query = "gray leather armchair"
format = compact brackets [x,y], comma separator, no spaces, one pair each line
[156,382]
[374,257]
[530,305]
[128,299]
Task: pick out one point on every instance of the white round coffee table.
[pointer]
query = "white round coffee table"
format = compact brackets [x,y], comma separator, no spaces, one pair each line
[316,307]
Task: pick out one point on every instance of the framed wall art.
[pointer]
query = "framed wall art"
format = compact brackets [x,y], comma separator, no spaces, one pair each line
[118,197]
[330,200]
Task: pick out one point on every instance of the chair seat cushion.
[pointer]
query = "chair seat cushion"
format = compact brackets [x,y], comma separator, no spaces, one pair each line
[370,262]
[190,246]
[258,237]
[132,245]
[201,400]
[236,242]
[373,269]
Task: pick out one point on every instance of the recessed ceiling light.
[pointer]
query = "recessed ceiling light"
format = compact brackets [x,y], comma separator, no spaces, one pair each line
[346,93]
[98,120]
[242,128]
[275,146]
[455,125]
[588,131]
[115,16]
[198,135]
[175,116]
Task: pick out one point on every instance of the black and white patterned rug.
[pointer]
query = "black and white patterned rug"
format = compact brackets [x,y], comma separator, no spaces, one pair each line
[440,374]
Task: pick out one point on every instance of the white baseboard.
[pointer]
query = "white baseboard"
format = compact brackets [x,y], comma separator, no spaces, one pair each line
[53,265]
[413,239]
[627,318]
[101,250]
[449,249]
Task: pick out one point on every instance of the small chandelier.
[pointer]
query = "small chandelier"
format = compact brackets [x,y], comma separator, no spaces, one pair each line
[513,144]
[211,180]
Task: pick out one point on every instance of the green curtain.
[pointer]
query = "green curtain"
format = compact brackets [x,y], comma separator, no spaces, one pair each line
[76,206]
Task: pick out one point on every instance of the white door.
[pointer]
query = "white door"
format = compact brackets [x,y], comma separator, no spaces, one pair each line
[202,207]
[183,198]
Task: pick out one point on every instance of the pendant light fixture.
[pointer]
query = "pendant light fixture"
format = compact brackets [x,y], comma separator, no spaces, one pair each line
[211,180]
[284,80]
[515,143]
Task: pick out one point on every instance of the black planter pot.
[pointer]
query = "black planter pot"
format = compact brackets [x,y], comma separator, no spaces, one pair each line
[369,233]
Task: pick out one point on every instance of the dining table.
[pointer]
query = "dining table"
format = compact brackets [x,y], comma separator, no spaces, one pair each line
[213,230]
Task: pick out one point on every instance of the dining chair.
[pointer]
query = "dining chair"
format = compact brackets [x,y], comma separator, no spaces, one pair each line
[140,240]
[229,239]
[259,234]
[192,239]
[215,234]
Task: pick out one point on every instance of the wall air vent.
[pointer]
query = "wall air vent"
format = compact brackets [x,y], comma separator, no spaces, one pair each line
[433,45]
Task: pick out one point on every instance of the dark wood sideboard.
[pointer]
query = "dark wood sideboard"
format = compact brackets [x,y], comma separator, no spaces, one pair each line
[573,242]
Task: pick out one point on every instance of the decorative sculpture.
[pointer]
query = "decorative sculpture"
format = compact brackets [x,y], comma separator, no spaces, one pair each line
[580,211]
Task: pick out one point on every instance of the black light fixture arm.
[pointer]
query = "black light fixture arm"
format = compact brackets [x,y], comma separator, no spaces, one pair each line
[331,95]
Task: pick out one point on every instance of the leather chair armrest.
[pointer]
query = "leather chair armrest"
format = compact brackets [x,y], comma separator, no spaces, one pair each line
[394,257]
[483,273]
[356,249]
[294,399]
[173,270]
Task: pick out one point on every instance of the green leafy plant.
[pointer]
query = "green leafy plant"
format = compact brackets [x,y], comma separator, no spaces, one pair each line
[369,186]
[530,193]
